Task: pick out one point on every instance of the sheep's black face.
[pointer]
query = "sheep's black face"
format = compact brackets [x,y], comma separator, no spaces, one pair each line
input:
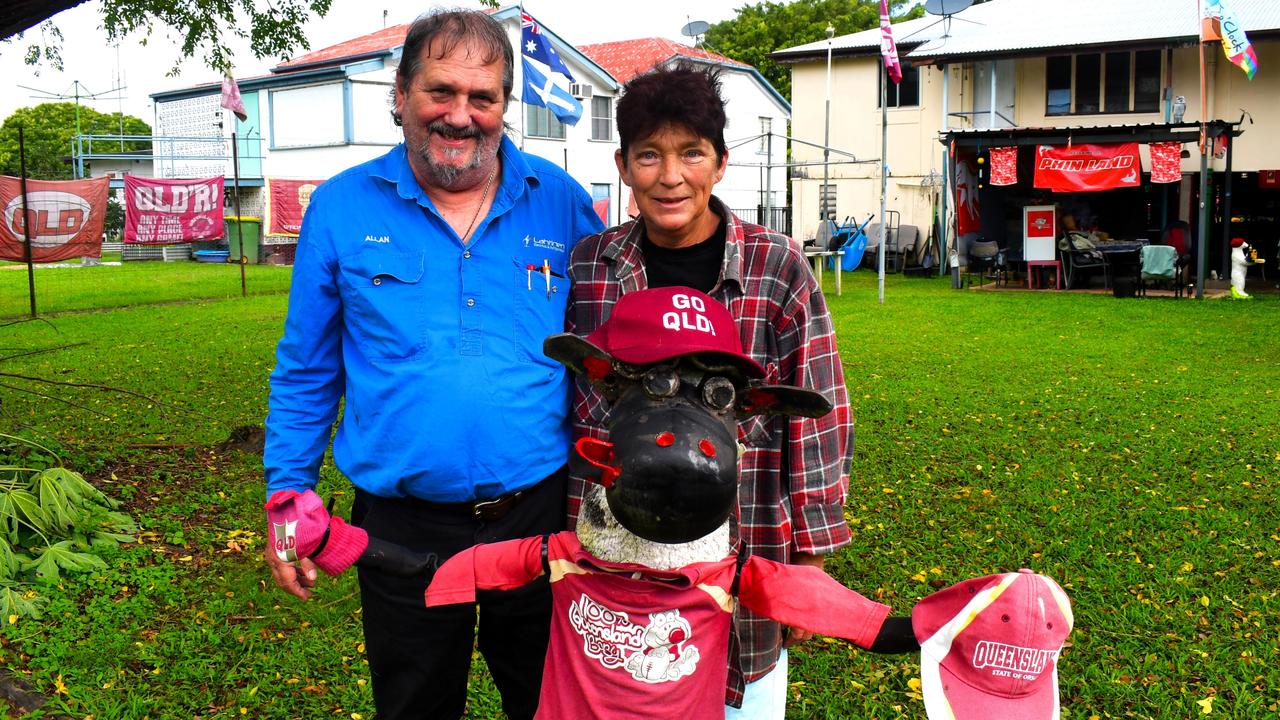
[675,449]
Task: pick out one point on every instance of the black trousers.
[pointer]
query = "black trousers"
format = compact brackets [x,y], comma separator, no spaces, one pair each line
[420,657]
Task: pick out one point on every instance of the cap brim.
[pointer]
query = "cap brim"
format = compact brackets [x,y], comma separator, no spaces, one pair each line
[571,351]
[655,353]
[947,697]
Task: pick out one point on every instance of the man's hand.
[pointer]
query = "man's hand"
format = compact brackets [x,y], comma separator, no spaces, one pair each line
[795,635]
[297,580]
[300,529]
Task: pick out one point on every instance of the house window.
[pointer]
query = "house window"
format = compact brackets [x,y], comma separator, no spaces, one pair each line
[905,93]
[540,122]
[1116,82]
[766,128]
[601,118]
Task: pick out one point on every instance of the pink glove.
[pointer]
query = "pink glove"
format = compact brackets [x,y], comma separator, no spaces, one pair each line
[300,527]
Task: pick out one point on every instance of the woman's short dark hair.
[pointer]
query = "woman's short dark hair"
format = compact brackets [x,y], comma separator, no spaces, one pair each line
[449,29]
[681,94]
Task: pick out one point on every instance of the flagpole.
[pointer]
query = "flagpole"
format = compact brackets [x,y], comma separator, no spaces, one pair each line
[1202,235]
[235,170]
[884,173]
[523,110]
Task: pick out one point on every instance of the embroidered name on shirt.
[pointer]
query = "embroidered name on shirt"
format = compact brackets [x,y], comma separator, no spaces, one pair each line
[656,653]
[377,238]
[543,243]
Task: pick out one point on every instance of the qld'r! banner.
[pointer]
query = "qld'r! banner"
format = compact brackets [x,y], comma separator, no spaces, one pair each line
[164,212]
[287,202]
[65,218]
[1087,168]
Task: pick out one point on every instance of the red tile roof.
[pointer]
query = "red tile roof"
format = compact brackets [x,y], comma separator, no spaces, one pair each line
[627,58]
[384,39]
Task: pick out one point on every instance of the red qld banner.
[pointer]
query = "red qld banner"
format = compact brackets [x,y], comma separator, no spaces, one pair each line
[1087,168]
[65,217]
[287,202]
[164,212]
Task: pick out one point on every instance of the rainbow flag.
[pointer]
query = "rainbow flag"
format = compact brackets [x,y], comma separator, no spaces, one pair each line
[1235,44]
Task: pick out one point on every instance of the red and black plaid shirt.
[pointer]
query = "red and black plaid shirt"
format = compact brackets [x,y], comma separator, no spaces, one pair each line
[794,475]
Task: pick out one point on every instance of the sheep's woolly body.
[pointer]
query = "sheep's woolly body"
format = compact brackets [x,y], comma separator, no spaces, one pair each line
[603,536]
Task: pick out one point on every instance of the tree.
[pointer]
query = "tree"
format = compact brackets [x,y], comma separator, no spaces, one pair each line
[273,28]
[48,129]
[760,29]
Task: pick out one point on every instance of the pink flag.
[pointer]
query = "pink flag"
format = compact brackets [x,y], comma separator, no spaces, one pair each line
[1004,166]
[889,50]
[1166,161]
[231,98]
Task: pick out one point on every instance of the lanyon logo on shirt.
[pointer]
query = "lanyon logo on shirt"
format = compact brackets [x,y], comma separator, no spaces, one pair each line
[654,653]
[543,244]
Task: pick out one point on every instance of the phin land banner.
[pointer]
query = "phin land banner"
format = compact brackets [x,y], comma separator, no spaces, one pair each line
[65,218]
[165,212]
[1087,168]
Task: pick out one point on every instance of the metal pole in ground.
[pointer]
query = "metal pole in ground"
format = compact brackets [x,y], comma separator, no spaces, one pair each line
[235,199]
[26,221]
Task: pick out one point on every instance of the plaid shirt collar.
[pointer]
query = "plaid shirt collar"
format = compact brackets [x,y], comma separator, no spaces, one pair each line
[626,254]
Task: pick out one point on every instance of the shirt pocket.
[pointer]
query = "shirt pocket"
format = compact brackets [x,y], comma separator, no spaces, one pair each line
[758,431]
[383,302]
[542,298]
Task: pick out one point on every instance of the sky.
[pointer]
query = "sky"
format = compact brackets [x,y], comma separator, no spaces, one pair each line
[99,68]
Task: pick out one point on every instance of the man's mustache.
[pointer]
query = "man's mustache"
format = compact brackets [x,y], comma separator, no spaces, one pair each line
[454,133]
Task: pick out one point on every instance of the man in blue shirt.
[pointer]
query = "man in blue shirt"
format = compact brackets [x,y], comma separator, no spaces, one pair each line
[424,284]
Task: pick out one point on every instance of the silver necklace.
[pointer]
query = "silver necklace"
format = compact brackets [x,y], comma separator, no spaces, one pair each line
[488,183]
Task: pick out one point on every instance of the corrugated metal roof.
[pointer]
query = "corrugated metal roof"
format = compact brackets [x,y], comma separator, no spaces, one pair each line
[1002,27]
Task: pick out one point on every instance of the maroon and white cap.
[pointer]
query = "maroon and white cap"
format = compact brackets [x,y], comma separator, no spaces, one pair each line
[649,326]
[989,647]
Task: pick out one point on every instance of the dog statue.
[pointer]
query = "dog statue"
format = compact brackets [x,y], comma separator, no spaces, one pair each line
[644,591]
[1242,256]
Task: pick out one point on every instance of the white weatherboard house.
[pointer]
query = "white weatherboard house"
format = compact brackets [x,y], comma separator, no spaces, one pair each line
[330,109]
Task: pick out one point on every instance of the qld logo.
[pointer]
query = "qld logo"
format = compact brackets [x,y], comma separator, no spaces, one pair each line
[55,217]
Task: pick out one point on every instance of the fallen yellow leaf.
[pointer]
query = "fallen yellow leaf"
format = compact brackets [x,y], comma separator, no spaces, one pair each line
[58,686]
[1206,705]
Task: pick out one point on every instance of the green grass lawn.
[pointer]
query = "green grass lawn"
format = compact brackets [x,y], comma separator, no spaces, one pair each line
[61,289]
[1126,448]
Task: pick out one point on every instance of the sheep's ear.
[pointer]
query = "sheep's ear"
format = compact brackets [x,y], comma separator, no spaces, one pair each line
[576,354]
[782,400]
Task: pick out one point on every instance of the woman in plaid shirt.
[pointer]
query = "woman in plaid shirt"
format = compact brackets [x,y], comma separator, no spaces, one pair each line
[794,473]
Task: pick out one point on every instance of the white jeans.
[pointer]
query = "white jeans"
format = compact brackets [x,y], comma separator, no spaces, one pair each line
[766,698]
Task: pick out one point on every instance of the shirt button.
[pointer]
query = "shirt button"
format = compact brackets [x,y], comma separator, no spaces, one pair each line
[377,281]
[471,302]
[466,254]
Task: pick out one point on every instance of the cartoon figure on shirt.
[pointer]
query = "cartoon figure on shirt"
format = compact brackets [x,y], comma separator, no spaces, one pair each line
[665,657]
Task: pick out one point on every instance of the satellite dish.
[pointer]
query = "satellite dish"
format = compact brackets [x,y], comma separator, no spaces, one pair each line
[946,7]
[695,28]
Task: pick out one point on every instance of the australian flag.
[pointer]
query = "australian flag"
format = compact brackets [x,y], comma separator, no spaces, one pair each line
[541,63]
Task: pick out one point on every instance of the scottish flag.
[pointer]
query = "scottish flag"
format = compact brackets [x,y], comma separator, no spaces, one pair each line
[539,89]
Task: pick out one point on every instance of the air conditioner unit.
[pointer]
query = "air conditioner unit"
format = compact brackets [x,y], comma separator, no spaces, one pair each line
[582,91]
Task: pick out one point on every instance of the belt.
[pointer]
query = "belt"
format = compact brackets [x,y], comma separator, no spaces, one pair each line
[487,510]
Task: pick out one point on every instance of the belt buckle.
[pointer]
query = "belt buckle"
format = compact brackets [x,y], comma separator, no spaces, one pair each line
[489,509]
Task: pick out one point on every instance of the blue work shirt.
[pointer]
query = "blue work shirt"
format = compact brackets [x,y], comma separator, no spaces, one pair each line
[435,346]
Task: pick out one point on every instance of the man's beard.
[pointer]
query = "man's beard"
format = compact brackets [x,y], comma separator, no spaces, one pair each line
[447,176]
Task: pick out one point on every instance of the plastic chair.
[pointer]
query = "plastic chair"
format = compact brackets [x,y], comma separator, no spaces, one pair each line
[1159,265]
[1078,255]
